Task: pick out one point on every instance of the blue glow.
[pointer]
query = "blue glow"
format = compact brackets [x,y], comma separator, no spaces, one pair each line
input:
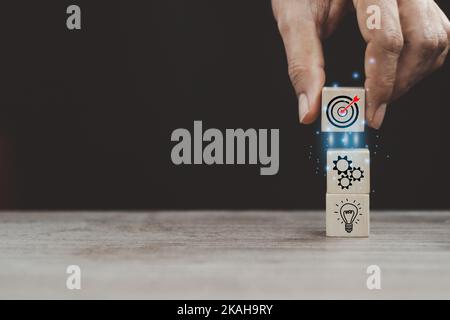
[345,140]
[331,139]
[349,139]
[356,75]
[335,85]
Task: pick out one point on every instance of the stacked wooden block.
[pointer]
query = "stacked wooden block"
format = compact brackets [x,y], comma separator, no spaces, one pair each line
[348,169]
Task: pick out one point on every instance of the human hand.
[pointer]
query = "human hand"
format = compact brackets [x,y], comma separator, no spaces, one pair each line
[412,42]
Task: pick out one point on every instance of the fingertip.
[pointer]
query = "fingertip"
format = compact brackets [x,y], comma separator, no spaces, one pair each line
[370,118]
[375,97]
[309,119]
[303,107]
[378,117]
[308,108]
[308,84]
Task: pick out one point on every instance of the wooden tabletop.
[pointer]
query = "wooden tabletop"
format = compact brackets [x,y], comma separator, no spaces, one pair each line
[221,254]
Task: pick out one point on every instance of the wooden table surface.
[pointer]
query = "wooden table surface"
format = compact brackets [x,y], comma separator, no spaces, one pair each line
[221,254]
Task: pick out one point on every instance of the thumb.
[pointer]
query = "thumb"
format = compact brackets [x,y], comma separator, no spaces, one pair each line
[304,55]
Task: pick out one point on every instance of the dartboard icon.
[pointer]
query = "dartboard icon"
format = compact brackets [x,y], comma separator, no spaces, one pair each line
[343,111]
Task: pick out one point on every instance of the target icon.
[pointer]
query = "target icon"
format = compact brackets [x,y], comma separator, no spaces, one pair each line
[343,111]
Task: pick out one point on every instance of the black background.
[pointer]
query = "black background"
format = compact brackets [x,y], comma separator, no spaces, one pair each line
[86,116]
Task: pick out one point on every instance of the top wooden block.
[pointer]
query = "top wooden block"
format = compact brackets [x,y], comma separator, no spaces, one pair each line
[343,109]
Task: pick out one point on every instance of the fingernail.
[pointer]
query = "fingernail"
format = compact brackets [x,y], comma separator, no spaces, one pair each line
[379,116]
[303,106]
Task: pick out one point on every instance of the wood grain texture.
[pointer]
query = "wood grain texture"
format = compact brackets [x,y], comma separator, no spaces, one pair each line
[212,255]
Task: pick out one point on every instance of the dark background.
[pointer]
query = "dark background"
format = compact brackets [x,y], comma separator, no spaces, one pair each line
[86,116]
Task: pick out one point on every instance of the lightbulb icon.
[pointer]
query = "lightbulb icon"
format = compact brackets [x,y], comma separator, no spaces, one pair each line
[349,212]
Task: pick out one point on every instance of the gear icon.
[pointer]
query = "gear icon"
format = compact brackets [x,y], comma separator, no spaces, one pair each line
[356,174]
[345,182]
[342,165]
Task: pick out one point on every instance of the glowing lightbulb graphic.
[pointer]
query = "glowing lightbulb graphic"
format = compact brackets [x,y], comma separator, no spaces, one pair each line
[349,214]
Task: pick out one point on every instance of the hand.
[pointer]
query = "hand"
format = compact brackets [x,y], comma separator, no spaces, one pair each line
[413,42]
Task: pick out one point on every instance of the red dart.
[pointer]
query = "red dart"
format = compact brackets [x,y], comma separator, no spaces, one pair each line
[355,100]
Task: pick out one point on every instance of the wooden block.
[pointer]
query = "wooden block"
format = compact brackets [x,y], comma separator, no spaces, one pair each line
[343,109]
[347,215]
[348,171]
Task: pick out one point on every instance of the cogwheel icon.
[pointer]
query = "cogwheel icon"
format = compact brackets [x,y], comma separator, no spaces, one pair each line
[344,182]
[356,174]
[342,165]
